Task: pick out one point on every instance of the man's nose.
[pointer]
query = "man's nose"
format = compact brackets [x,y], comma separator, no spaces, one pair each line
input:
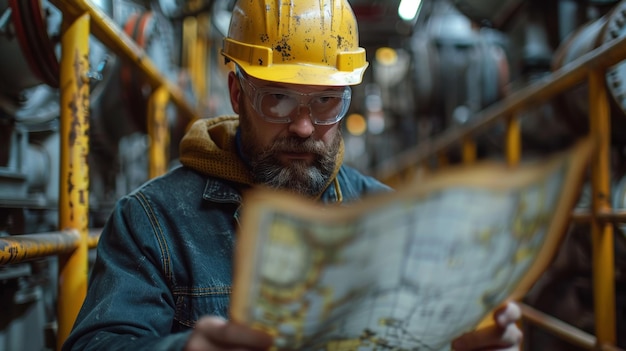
[302,124]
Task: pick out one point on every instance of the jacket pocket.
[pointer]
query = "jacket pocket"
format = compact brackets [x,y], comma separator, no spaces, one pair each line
[195,303]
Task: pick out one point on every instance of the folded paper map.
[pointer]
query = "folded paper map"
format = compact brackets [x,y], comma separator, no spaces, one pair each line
[408,270]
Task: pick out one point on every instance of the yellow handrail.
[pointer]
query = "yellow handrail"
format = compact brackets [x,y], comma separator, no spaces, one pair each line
[158,132]
[74,184]
[602,255]
[20,248]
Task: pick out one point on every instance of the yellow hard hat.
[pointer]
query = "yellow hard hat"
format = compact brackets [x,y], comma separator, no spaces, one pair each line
[314,42]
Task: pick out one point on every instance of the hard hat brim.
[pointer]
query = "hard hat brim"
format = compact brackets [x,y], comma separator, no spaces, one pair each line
[258,61]
[304,74]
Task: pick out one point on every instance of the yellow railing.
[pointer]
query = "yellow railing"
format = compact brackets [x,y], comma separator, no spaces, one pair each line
[20,248]
[74,186]
[591,68]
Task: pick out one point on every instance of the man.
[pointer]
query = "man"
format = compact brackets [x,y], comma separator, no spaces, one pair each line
[162,277]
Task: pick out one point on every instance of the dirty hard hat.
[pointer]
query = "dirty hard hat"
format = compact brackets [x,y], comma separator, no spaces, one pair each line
[314,42]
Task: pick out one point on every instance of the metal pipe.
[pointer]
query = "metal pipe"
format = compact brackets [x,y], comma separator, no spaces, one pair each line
[564,330]
[191,55]
[74,178]
[513,140]
[557,327]
[603,263]
[195,57]
[606,216]
[203,58]
[158,132]
[94,236]
[20,248]
[469,151]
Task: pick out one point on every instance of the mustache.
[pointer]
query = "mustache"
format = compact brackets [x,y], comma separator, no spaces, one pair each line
[297,145]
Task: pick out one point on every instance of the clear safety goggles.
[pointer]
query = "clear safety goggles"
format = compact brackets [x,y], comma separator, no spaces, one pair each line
[279,105]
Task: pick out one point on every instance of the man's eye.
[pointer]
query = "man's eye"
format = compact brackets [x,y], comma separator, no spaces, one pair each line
[280,97]
[325,100]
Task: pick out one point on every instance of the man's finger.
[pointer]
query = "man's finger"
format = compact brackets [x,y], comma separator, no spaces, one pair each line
[493,338]
[507,314]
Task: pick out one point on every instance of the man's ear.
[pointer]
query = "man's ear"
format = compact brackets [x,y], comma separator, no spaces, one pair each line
[234,90]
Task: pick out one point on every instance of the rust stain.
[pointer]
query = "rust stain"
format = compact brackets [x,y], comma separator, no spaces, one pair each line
[75,124]
[22,247]
[284,48]
[79,102]
[70,185]
[78,68]
[79,129]
[308,41]
[81,197]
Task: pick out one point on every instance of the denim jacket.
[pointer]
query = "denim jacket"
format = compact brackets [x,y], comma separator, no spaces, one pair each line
[164,260]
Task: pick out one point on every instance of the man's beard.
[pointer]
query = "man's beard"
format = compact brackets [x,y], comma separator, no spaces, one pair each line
[298,175]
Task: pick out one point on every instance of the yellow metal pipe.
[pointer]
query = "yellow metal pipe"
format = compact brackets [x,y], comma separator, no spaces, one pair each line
[111,35]
[563,330]
[94,236]
[513,140]
[190,55]
[190,35]
[74,179]
[20,248]
[195,56]
[557,327]
[603,263]
[611,216]
[158,132]
[204,60]
[469,151]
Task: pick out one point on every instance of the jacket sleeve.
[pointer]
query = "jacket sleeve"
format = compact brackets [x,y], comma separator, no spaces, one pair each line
[129,304]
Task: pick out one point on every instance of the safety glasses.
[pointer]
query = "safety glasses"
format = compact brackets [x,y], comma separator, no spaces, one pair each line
[279,105]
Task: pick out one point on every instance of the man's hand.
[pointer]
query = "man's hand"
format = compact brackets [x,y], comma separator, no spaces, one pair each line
[215,334]
[504,335]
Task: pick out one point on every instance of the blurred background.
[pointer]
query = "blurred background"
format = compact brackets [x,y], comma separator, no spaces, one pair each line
[434,66]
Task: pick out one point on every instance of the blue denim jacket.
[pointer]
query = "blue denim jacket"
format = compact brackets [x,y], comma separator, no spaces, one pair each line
[164,260]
